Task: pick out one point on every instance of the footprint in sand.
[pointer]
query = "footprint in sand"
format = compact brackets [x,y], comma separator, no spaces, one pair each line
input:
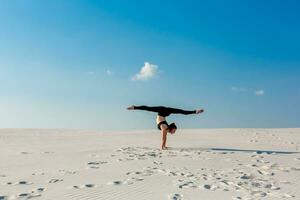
[237,198]
[128,181]
[93,156]
[272,186]
[137,178]
[285,182]
[34,193]
[24,152]
[115,183]
[210,187]
[67,171]
[246,176]
[85,186]
[157,162]
[48,152]
[89,185]
[54,180]
[26,196]
[175,196]
[39,190]
[95,164]
[3,197]
[295,168]
[258,194]
[284,195]
[145,172]
[41,174]
[187,184]
[20,183]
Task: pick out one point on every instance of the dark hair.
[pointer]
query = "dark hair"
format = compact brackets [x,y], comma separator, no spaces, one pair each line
[172,126]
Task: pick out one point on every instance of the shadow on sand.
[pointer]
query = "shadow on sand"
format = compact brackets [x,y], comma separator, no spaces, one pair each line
[234,150]
[255,151]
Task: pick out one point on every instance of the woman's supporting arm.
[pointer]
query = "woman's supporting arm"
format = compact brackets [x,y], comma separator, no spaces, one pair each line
[164,138]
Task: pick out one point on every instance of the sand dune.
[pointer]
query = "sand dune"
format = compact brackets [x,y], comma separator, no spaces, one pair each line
[201,164]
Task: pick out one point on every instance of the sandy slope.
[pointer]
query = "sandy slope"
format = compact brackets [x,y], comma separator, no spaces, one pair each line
[202,164]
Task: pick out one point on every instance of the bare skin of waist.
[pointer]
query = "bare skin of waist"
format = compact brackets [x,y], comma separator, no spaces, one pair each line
[160,119]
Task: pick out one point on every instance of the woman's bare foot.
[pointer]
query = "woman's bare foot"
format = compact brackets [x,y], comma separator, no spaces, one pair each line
[130,108]
[199,111]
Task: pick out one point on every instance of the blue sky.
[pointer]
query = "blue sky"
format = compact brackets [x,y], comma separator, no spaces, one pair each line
[77,64]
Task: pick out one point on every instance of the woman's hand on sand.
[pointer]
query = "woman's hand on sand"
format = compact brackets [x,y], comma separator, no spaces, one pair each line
[130,108]
[199,111]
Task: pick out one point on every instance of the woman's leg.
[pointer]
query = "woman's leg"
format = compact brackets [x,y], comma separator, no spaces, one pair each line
[150,108]
[165,111]
[180,111]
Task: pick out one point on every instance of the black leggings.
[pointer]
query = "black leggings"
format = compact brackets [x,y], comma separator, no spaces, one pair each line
[165,111]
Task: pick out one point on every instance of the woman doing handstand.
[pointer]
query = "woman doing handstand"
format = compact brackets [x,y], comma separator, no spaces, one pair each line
[162,113]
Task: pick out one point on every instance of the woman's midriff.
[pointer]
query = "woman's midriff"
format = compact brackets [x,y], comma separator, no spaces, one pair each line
[160,119]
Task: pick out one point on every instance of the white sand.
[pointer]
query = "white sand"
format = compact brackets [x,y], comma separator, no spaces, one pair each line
[203,164]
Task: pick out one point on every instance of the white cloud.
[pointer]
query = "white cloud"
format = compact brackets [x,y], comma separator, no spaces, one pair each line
[147,71]
[108,72]
[238,89]
[259,92]
[91,73]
